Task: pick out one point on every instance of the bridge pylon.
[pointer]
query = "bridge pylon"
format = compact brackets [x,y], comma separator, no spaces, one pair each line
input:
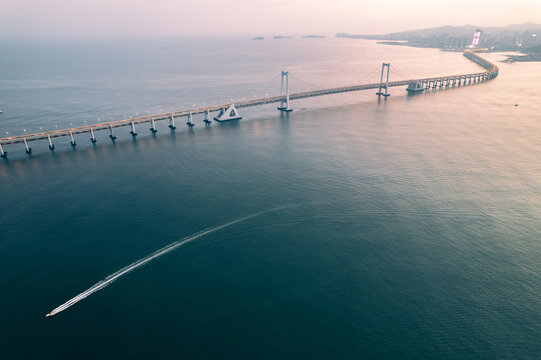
[383,66]
[284,105]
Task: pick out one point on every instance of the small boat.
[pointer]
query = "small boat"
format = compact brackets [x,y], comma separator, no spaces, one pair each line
[415,87]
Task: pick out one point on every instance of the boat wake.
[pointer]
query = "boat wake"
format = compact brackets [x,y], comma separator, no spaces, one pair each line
[125,270]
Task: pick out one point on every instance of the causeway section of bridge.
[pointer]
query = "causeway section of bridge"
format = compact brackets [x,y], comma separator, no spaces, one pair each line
[230,111]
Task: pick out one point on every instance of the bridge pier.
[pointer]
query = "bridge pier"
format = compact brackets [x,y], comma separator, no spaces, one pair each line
[286,108]
[112,133]
[92,137]
[3,153]
[132,131]
[51,146]
[172,122]
[207,116]
[72,142]
[153,127]
[190,121]
[383,66]
[28,149]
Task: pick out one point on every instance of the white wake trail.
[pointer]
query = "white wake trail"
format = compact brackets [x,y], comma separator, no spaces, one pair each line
[111,278]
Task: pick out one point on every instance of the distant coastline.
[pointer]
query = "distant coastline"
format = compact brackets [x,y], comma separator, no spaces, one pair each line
[524,38]
[279,37]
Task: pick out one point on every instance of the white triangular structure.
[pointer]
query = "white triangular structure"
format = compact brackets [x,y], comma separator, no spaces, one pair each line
[228,113]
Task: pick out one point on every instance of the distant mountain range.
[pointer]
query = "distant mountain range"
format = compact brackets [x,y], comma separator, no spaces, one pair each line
[449,30]
[516,37]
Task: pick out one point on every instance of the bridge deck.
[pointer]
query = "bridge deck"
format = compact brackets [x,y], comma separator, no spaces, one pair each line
[491,72]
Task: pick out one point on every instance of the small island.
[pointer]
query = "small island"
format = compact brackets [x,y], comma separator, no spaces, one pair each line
[282,37]
[314,37]
[258,38]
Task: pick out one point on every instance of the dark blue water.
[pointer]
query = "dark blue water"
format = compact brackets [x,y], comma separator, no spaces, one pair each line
[406,228]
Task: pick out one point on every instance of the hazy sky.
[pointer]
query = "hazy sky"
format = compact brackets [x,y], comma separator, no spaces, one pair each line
[121,18]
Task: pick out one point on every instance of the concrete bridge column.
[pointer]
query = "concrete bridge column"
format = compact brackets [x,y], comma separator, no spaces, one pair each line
[3,154]
[207,117]
[28,149]
[172,122]
[112,133]
[92,136]
[132,131]
[153,126]
[51,146]
[190,121]
[72,142]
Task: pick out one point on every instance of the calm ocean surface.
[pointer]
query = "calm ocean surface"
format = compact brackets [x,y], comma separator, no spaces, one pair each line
[407,228]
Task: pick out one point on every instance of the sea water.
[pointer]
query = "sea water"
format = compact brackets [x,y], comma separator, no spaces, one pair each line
[407,227]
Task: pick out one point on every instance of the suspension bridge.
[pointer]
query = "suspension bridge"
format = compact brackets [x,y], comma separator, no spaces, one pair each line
[230,111]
